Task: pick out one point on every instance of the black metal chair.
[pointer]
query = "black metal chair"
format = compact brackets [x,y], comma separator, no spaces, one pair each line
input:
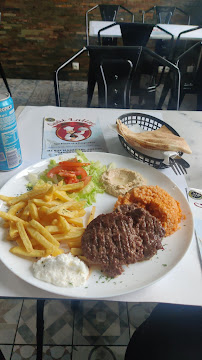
[164,14]
[108,13]
[190,65]
[133,34]
[137,34]
[178,51]
[115,68]
[2,73]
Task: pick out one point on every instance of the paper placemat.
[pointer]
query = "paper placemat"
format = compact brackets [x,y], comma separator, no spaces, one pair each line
[65,135]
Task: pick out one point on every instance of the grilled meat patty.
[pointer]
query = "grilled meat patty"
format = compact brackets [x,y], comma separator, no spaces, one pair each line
[125,236]
[148,227]
[110,241]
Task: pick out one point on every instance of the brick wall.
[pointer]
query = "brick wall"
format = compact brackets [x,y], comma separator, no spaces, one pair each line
[36,36]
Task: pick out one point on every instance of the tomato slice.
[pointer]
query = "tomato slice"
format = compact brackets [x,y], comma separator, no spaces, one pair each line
[81,172]
[69,164]
[71,180]
[54,170]
[72,171]
[66,173]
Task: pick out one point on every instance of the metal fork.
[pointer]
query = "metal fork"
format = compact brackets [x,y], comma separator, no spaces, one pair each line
[177,167]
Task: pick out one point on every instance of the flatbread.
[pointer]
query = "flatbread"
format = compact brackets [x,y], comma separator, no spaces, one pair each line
[161,139]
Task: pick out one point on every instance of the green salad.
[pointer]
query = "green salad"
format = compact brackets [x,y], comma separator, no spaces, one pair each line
[94,171]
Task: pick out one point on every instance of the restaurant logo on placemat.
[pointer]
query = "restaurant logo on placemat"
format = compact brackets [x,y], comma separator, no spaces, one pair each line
[68,135]
[72,130]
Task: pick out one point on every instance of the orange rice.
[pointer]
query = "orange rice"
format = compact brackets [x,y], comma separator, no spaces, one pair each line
[158,202]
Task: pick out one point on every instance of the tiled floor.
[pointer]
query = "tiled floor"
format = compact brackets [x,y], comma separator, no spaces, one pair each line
[87,330]
[95,329]
[73,94]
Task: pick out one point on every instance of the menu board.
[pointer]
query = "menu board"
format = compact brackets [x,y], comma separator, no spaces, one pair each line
[62,136]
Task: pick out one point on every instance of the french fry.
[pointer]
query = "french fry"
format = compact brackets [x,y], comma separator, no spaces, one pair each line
[42,230]
[81,212]
[41,190]
[49,195]
[65,226]
[24,237]
[68,214]
[10,217]
[25,213]
[40,220]
[39,238]
[92,214]
[17,207]
[57,208]
[41,202]
[75,244]
[6,198]
[70,235]
[76,251]
[53,229]
[54,252]
[76,221]
[13,231]
[17,250]
[73,187]
[33,210]
[78,205]
[54,222]
[60,194]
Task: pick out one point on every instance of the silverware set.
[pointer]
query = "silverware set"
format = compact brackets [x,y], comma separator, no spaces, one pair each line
[179,165]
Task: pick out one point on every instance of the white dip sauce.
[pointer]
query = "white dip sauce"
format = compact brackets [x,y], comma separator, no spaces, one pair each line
[62,270]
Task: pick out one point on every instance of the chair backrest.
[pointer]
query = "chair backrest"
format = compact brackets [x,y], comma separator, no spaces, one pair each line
[135,34]
[164,14]
[116,74]
[109,12]
[115,68]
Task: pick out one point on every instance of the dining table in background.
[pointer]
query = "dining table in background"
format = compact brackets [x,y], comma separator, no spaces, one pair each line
[182,285]
[156,34]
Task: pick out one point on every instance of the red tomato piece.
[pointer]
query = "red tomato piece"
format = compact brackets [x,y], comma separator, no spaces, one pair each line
[54,171]
[66,173]
[71,180]
[69,164]
[80,172]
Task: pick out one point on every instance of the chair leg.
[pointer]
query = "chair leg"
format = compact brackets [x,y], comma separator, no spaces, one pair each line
[40,328]
[199,100]
[164,93]
[91,85]
[2,356]
[4,79]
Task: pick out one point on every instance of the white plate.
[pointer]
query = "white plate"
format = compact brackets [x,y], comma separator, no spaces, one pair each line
[135,276]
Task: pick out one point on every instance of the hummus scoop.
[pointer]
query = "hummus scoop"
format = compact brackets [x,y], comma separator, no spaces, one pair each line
[120,181]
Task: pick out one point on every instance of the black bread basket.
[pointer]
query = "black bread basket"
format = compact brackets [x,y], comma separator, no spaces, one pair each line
[146,122]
